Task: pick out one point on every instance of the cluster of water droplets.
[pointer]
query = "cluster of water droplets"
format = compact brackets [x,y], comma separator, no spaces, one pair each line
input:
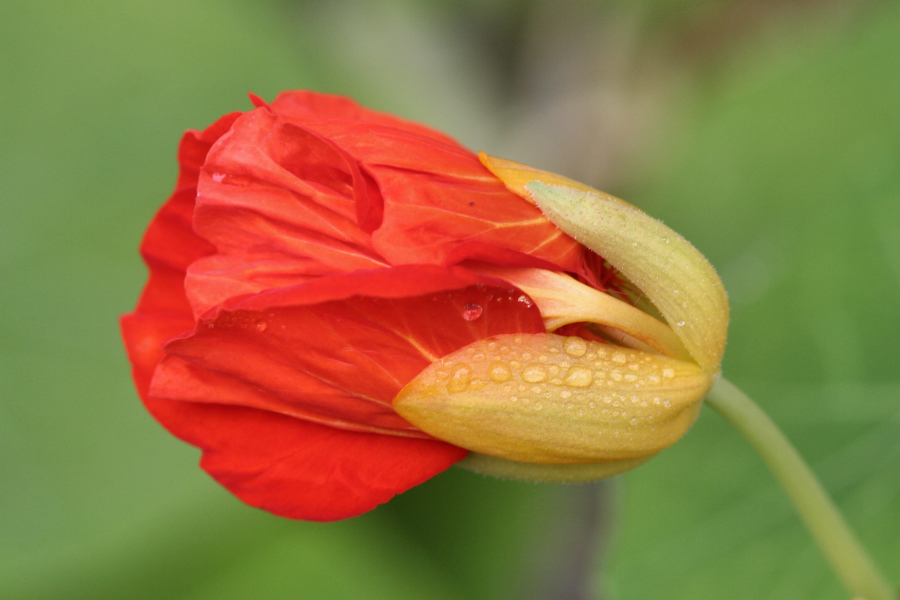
[568,389]
[568,374]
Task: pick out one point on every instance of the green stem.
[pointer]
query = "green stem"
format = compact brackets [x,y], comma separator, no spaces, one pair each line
[848,558]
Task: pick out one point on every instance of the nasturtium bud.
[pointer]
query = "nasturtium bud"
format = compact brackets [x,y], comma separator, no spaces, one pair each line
[548,407]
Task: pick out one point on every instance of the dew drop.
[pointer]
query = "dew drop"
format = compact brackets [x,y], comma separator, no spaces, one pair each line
[534,374]
[575,346]
[472,311]
[459,378]
[680,323]
[261,325]
[538,406]
[500,373]
[477,384]
[579,377]
[525,301]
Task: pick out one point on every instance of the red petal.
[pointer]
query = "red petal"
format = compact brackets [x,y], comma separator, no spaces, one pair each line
[170,244]
[334,350]
[144,336]
[301,470]
[309,107]
[290,467]
[437,193]
[438,196]
[337,350]
[280,204]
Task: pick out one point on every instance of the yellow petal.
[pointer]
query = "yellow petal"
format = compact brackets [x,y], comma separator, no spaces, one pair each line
[667,269]
[548,399]
[563,300]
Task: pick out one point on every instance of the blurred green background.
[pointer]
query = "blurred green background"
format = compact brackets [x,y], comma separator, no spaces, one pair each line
[768,133]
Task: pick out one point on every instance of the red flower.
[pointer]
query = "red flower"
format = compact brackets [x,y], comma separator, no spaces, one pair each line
[314,257]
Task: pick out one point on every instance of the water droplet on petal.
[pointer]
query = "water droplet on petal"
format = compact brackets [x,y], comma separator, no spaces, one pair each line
[459,379]
[534,374]
[525,301]
[261,325]
[575,346]
[472,311]
[500,373]
[579,377]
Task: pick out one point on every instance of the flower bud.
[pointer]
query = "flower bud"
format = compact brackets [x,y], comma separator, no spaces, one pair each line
[550,407]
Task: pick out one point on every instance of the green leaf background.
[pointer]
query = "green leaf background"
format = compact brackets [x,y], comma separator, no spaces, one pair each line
[767,133]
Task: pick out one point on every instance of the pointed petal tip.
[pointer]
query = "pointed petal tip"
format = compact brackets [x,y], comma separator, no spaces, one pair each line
[517,176]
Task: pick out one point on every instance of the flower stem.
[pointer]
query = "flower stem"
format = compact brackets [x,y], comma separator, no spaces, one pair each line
[847,556]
